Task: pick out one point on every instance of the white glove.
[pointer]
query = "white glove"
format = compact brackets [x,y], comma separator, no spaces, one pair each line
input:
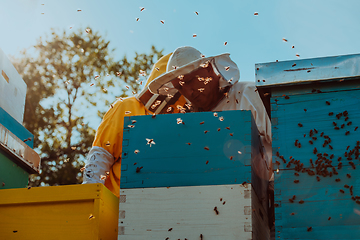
[98,163]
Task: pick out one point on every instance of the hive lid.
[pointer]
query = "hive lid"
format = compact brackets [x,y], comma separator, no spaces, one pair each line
[274,74]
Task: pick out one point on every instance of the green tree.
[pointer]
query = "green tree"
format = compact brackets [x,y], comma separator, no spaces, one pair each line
[68,75]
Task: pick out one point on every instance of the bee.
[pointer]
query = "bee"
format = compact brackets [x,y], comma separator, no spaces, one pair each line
[202,123]
[337,180]
[346,186]
[91,217]
[142,9]
[225,43]
[355,128]
[291,200]
[79,10]
[92,84]
[296,181]
[137,19]
[331,147]
[196,13]
[207,162]
[348,175]
[170,229]
[300,125]
[327,103]
[73,148]
[342,191]
[293,65]
[194,35]
[309,229]
[287,97]
[292,46]
[296,174]
[311,142]
[216,210]
[227,68]
[297,55]
[206,131]
[201,89]
[221,119]
[206,148]
[127,112]
[224,202]
[231,134]
[136,151]
[331,113]
[285,40]
[318,178]
[305,110]
[231,157]
[321,134]
[102,177]
[138,169]
[349,123]
[315,151]
[150,141]
[301,201]
[162,21]
[256,13]
[352,164]
[336,128]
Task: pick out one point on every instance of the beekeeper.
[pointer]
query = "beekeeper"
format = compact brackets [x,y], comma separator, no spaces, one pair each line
[212,84]
[103,163]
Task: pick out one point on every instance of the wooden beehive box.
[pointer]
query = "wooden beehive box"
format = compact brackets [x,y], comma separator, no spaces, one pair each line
[17,158]
[315,116]
[176,156]
[88,211]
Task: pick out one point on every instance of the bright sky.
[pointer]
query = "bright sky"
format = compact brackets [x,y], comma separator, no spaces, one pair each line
[316,28]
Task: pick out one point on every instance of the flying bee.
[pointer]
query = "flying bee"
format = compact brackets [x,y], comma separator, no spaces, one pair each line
[221,119]
[227,68]
[142,9]
[150,141]
[91,217]
[136,151]
[162,21]
[201,89]
[102,177]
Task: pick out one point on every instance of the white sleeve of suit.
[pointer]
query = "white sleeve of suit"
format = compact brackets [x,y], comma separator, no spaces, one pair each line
[98,163]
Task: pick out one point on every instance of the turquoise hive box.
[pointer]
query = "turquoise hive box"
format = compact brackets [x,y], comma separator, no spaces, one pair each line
[314,108]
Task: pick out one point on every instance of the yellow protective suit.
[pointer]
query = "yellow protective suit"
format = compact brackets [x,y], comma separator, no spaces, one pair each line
[110,132]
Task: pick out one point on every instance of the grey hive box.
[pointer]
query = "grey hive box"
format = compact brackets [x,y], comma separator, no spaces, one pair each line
[314,109]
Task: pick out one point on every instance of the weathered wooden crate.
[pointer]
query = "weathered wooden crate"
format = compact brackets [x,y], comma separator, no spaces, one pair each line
[315,118]
[87,211]
[174,157]
[196,212]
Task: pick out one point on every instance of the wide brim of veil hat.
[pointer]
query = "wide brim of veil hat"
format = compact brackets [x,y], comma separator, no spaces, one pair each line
[224,66]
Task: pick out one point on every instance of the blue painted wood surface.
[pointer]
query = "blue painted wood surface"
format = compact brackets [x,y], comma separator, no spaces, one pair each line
[171,161]
[16,128]
[295,111]
[296,72]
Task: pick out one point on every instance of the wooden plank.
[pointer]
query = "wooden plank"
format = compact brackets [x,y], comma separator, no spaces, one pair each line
[205,150]
[51,194]
[188,212]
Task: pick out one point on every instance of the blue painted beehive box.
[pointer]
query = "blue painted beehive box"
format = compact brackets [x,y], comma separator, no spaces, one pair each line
[193,149]
[314,109]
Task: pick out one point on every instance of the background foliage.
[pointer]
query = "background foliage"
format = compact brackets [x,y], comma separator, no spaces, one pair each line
[69,76]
